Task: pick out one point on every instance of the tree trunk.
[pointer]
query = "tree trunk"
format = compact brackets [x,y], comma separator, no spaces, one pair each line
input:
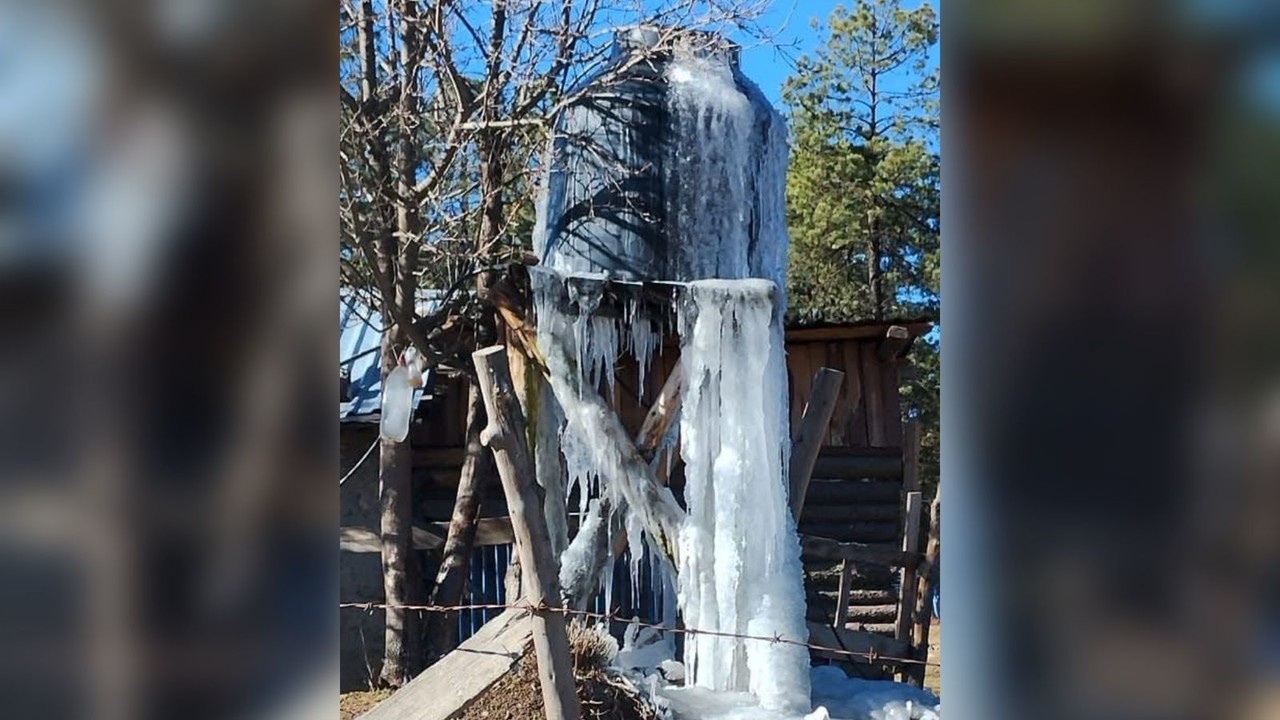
[477,469]
[398,259]
[394,478]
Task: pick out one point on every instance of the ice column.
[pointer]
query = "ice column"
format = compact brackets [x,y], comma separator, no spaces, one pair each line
[740,567]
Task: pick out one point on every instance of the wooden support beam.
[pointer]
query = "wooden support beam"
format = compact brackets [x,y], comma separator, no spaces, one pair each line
[580,584]
[662,413]
[894,341]
[506,436]
[910,545]
[813,428]
[446,688]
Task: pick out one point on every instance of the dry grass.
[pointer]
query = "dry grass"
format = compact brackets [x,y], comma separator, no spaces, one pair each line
[518,695]
[933,673]
[353,704]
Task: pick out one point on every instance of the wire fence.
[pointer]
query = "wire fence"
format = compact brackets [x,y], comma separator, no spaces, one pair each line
[871,655]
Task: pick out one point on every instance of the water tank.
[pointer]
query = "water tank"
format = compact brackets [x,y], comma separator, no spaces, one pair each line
[658,165]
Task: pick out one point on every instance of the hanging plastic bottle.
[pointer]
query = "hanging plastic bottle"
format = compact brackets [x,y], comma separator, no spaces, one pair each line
[397,397]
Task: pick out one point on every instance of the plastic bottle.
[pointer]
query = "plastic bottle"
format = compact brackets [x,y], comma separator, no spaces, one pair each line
[397,404]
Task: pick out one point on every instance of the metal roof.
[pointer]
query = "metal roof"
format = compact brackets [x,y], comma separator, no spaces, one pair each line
[360,354]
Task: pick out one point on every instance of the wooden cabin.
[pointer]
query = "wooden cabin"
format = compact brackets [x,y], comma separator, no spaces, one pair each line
[856,494]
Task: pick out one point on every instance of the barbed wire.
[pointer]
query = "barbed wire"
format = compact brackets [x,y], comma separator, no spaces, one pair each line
[870,656]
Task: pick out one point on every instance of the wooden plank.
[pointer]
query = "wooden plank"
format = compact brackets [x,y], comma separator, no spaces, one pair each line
[872,390]
[505,436]
[364,540]
[891,399]
[801,374]
[834,359]
[807,442]
[856,424]
[856,641]
[445,689]
[867,331]
[910,545]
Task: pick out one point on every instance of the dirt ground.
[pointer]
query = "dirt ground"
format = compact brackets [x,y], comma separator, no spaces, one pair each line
[517,697]
[352,704]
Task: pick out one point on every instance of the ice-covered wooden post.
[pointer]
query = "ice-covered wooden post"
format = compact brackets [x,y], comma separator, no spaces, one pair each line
[505,435]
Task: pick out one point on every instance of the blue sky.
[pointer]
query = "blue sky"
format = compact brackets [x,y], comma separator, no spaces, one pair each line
[770,67]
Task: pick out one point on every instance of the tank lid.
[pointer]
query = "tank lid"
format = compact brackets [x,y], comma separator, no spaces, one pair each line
[699,43]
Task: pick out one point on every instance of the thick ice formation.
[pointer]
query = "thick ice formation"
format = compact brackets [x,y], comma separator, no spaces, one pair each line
[739,555]
[738,558]
[730,209]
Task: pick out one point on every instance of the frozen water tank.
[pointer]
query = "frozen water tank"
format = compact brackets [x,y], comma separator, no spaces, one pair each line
[626,190]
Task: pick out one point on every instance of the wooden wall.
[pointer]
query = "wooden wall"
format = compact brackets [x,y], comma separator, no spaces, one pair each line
[857,490]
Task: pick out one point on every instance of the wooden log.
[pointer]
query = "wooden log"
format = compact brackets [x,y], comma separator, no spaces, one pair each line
[911,545]
[445,689]
[893,343]
[852,512]
[866,531]
[849,492]
[807,442]
[927,573]
[877,554]
[858,463]
[872,597]
[505,435]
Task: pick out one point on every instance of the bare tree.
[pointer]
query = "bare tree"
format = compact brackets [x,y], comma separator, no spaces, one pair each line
[445,108]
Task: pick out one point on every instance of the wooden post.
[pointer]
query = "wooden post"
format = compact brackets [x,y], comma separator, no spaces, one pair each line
[842,597]
[505,435]
[808,438]
[927,571]
[910,545]
[477,468]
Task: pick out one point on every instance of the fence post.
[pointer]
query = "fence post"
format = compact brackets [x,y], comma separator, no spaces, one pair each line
[505,435]
[910,545]
[927,570]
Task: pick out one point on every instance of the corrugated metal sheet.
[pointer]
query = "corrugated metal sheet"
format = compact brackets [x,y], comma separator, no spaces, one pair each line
[360,354]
